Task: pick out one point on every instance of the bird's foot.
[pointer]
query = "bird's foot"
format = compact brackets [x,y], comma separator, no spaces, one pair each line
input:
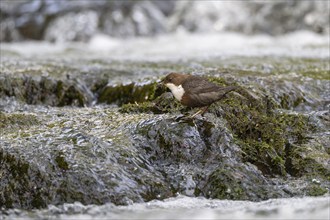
[200,111]
[197,113]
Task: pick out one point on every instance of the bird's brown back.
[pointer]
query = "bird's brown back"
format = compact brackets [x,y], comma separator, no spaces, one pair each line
[200,92]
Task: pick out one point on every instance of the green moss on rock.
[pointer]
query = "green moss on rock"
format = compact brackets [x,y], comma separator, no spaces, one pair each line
[226,186]
[239,182]
[18,188]
[263,132]
[72,96]
[61,162]
[130,93]
[17,120]
[137,107]
[162,104]
[316,190]
[301,161]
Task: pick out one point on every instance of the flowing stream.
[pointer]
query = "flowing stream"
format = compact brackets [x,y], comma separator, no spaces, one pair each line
[92,137]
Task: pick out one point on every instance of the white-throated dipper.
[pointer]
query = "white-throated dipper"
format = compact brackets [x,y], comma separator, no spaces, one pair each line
[195,91]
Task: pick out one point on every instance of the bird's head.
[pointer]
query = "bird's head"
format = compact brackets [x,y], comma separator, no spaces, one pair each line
[174,81]
[174,78]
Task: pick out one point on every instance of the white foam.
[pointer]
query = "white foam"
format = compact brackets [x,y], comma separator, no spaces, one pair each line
[183,207]
[182,45]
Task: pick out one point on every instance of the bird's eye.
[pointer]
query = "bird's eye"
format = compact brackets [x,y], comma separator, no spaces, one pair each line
[170,79]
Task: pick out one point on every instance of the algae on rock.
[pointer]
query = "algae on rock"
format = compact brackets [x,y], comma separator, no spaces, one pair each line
[132,142]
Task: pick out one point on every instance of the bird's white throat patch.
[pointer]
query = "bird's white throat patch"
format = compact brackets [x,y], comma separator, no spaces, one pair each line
[177,91]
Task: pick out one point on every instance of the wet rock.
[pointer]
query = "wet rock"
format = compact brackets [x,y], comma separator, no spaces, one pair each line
[129,93]
[65,161]
[239,184]
[248,146]
[198,158]
[44,90]
[12,121]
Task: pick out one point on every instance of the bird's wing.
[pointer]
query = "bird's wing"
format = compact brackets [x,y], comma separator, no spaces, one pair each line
[198,85]
[202,92]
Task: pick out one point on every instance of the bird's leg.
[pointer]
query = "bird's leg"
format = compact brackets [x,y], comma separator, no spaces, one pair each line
[204,110]
[200,111]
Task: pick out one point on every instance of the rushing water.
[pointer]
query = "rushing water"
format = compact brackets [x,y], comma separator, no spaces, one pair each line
[183,46]
[182,207]
[300,44]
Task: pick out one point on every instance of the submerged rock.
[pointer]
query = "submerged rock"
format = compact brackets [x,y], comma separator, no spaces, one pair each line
[65,160]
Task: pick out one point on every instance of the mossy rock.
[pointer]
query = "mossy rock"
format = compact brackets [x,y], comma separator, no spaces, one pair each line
[72,96]
[19,191]
[163,104]
[303,161]
[44,90]
[17,120]
[61,162]
[261,130]
[129,93]
[239,182]
[316,190]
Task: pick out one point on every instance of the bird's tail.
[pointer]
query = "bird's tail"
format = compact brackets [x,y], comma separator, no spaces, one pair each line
[225,90]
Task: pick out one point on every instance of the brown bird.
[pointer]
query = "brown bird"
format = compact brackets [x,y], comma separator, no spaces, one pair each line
[195,91]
